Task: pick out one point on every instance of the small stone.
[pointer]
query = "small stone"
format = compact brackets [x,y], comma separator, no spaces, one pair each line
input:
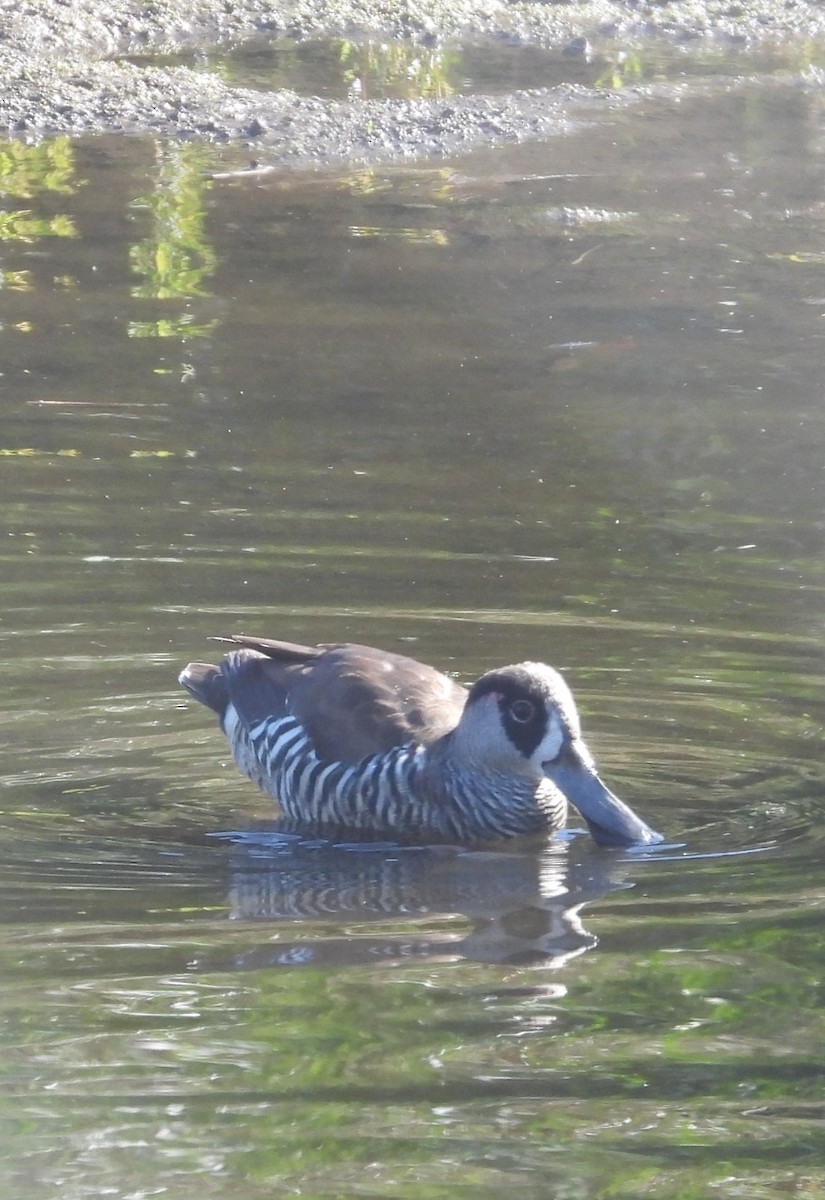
[579,47]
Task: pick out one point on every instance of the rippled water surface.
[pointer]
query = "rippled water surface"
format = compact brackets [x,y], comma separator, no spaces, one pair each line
[562,401]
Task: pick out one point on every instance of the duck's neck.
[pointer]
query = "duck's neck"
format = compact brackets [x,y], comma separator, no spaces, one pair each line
[478,801]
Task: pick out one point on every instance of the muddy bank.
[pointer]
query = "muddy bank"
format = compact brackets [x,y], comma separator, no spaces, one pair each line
[71,68]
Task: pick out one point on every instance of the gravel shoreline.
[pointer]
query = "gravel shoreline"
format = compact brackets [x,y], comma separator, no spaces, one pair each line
[63,69]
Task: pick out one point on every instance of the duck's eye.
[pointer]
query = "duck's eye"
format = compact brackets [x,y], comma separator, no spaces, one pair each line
[522,711]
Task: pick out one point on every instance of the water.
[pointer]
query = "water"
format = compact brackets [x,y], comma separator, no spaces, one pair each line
[558,401]
[368,68]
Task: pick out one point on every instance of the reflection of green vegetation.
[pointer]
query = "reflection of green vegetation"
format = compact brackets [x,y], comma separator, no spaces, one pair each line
[807,257]
[24,226]
[170,327]
[372,69]
[413,236]
[27,171]
[16,281]
[176,257]
[646,1075]
[369,182]
[395,69]
[366,182]
[622,69]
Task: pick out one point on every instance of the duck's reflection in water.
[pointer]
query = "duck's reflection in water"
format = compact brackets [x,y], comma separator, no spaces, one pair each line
[522,907]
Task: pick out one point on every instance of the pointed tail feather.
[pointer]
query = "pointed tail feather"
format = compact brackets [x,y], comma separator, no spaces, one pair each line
[285,652]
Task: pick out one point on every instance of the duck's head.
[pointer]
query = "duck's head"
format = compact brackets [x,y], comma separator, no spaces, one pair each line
[523,720]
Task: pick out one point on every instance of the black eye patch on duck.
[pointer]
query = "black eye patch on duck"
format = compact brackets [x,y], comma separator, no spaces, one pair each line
[522,706]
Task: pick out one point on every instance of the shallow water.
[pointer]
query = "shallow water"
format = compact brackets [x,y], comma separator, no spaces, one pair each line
[560,401]
[375,69]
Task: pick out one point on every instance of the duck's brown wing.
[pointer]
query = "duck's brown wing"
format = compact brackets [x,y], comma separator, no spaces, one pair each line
[352,700]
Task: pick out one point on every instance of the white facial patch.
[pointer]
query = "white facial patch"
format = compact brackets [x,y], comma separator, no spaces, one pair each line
[549,748]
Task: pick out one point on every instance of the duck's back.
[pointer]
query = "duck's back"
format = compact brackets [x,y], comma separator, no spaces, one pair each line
[351,700]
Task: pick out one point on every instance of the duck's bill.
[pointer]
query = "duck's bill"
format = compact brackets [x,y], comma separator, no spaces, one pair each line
[610,821]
